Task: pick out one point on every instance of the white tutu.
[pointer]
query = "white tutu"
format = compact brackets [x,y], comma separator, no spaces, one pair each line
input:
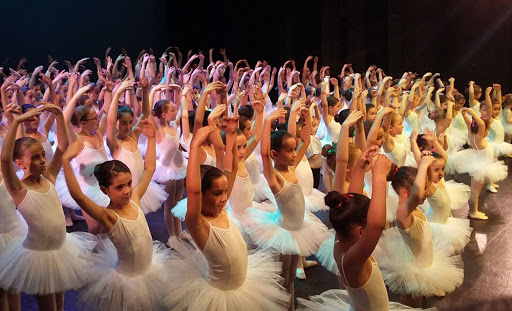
[153,198]
[459,194]
[190,290]
[410,161]
[338,300]
[108,290]
[42,272]
[315,201]
[501,149]
[391,204]
[325,254]
[456,231]
[143,146]
[164,173]
[479,164]
[267,234]
[93,192]
[404,274]
[12,233]
[262,191]
[456,140]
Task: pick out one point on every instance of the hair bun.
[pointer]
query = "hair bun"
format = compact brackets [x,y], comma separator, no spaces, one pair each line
[333,199]
[325,150]
[392,172]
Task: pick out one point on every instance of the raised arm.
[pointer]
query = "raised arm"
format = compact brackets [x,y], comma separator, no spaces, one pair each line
[275,184]
[230,124]
[112,142]
[63,142]
[210,88]
[149,130]
[257,129]
[70,109]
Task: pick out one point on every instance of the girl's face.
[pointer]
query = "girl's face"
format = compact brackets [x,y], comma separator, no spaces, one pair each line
[37,92]
[64,91]
[29,97]
[120,189]
[496,108]
[437,168]
[314,126]
[286,156]
[94,93]
[9,95]
[215,198]
[32,123]
[247,130]
[33,160]
[371,114]
[170,112]
[298,135]
[124,125]
[397,125]
[444,105]
[478,95]
[459,104]
[334,109]
[241,144]
[91,123]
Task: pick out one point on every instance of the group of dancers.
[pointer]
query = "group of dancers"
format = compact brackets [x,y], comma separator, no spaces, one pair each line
[131,143]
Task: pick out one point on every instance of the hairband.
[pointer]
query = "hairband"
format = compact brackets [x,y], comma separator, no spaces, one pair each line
[345,198]
[396,171]
[432,114]
[333,149]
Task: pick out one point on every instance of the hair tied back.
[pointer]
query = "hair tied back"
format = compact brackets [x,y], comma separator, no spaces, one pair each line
[345,198]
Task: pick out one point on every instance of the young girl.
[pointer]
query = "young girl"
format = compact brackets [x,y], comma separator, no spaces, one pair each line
[49,261]
[122,142]
[506,116]
[358,223]
[492,110]
[290,231]
[87,122]
[413,264]
[443,197]
[128,271]
[479,161]
[330,108]
[219,275]
[314,151]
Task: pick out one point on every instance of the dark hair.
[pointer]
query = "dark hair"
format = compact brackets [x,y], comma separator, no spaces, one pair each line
[159,108]
[332,101]
[367,126]
[223,135]
[277,138]
[341,117]
[208,175]
[346,211]
[421,142]
[402,177]
[474,125]
[437,114]
[192,119]
[80,114]
[21,144]
[106,170]
[246,111]
[370,106]
[27,107]
[329,153]
[346,94]
[123,110]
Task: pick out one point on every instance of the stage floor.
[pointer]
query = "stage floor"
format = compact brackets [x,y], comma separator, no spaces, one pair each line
[487,258]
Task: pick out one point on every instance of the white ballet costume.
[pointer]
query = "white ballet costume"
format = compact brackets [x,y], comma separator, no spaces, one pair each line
[48,150]
[412,122]
[412,262]
[313,198]
[128,271]
[223,277]
[172,164]
[372,296]
[12,225]
[49,260]
[83,165]
[290,230]
[496,138]
[399,153]
[442,224]
[332,132]
[480,164]
[155,195]
[504,114]
[458,131]
[426,122]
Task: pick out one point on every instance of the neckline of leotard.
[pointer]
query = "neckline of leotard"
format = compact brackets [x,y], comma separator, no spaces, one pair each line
[219,228]
[43,193]
[124,218]
[286,181]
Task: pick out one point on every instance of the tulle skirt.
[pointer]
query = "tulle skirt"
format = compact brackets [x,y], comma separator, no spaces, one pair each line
[190,289]
[267,234]
[459,194]
[153,198]
[325,254]
[12,233]
[404,274]
[109,290]
[315,201]
[391,204]
[501,149]
[93,192]
[456,231]
[479,167]
[42,272]
[180,209]
[338,300]
[262,191]
[164,173]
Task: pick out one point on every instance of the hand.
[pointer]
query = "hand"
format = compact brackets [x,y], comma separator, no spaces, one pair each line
[426,159]
[214,86]
[144,84]
[121,57]
[334,81]
[126,84]
[258,106]
[297,105]
[429,135]
[217,112]
[37,70]
[8,81]
[496,87]
[97,61]
[304,112]
[488,91]
[366,157]
[84,89]
[30,114]
[13,109]
[381,165]
[222,52]
[56,110]
[464,111]
[229,124]
[148,129]
[46,80]
[282,97]
[86,73]
[276,114]
[201,135]
[352,118]
[414,136]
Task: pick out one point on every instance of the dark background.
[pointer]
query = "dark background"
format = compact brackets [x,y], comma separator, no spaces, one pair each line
[466,39]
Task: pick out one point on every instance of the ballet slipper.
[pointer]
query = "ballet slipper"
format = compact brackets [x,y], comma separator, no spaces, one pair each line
[310,263]
[478,215]
[491,189]
[496,186]
[300,274]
